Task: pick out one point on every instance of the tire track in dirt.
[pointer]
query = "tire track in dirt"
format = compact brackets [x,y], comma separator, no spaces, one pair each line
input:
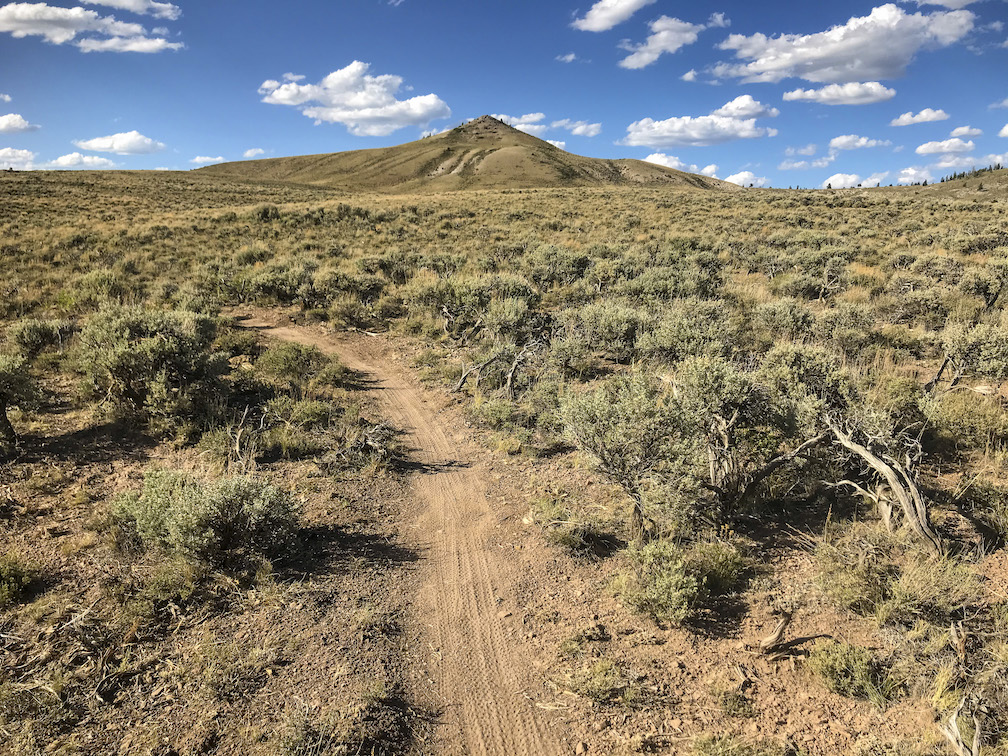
[476,668]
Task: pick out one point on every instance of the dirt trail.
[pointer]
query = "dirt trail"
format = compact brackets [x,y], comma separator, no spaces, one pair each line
[477,667]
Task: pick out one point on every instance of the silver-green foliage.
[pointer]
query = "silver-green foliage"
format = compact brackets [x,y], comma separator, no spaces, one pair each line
[209,520]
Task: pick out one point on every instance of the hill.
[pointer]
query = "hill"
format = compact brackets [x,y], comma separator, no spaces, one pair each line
[482,154]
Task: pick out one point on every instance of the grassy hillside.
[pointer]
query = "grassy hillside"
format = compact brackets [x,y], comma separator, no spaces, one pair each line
[482,154]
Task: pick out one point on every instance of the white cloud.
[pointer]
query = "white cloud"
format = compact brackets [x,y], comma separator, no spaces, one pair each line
[561,145]
[294,77]
[925,116]
[19,160]
[13,122]
[667,35]
[690,75]
[128,44]
[841,181]
[76,160]
[1004,131]
[253,153]
[365,104]
[61,25]
[914,175]
[5,97]
[1003,103]
[875,179]
[718,21]
[852,93]
[960,162]
[745,106]
[800,165]
[709,170]
[966,131]
[578,128]
[204,160]
[670,161]
[808,150]
[873,47]
[605,14]
[126,143]
[144,7]
[529,123]
[568,58]
[954,145]
[855,142]
[745,178]
[715,128]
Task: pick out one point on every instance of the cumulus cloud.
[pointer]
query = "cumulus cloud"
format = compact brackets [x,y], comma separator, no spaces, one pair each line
[808,149]
[143,7]
[715,128]
[966,131]
[961,162]
[560,145]
[568,58]
[914,175]
[925,116]
[801,165]
[1004,131]
[253,153]
[205,160]
[852,93]
[13,122]
[954,146]
[671,161]
[365,104]
[19,160]
[875,179]
[76,160]
[126,143]
[746,106]
[667,35]
[690,75]
[128,44]
[5,97]
[841,181]
[605,14]
[746,178]
[530,123]
[61,25]
[1002,104]
[578,128]
[855,142]
[878,46]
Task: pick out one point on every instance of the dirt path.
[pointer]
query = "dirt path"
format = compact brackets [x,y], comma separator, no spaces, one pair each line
[477,666]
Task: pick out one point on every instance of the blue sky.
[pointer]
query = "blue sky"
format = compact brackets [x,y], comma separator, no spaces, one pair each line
[771,93]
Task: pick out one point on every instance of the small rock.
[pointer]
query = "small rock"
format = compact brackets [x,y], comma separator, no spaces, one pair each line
[503,613]
[582,748]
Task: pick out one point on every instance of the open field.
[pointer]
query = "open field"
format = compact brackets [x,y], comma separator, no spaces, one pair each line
[291,469]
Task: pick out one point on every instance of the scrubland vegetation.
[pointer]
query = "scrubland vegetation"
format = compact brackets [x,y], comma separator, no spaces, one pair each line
[826,365]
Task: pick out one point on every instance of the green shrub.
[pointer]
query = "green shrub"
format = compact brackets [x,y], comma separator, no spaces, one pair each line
[155,366]
[214,521]
[32,335]
[719,565]
[659,583]
[299,370]
[851,671]
[15,578]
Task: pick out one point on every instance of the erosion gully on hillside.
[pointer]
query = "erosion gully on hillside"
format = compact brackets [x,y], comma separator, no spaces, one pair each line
[477,668]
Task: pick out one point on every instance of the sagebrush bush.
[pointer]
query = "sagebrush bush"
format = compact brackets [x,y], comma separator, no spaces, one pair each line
[299,370]
[15,577]
[156,366]
[213,521]
[659,583]
[851,671]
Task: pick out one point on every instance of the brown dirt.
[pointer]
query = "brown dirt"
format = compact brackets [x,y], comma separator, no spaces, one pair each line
[478,667]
